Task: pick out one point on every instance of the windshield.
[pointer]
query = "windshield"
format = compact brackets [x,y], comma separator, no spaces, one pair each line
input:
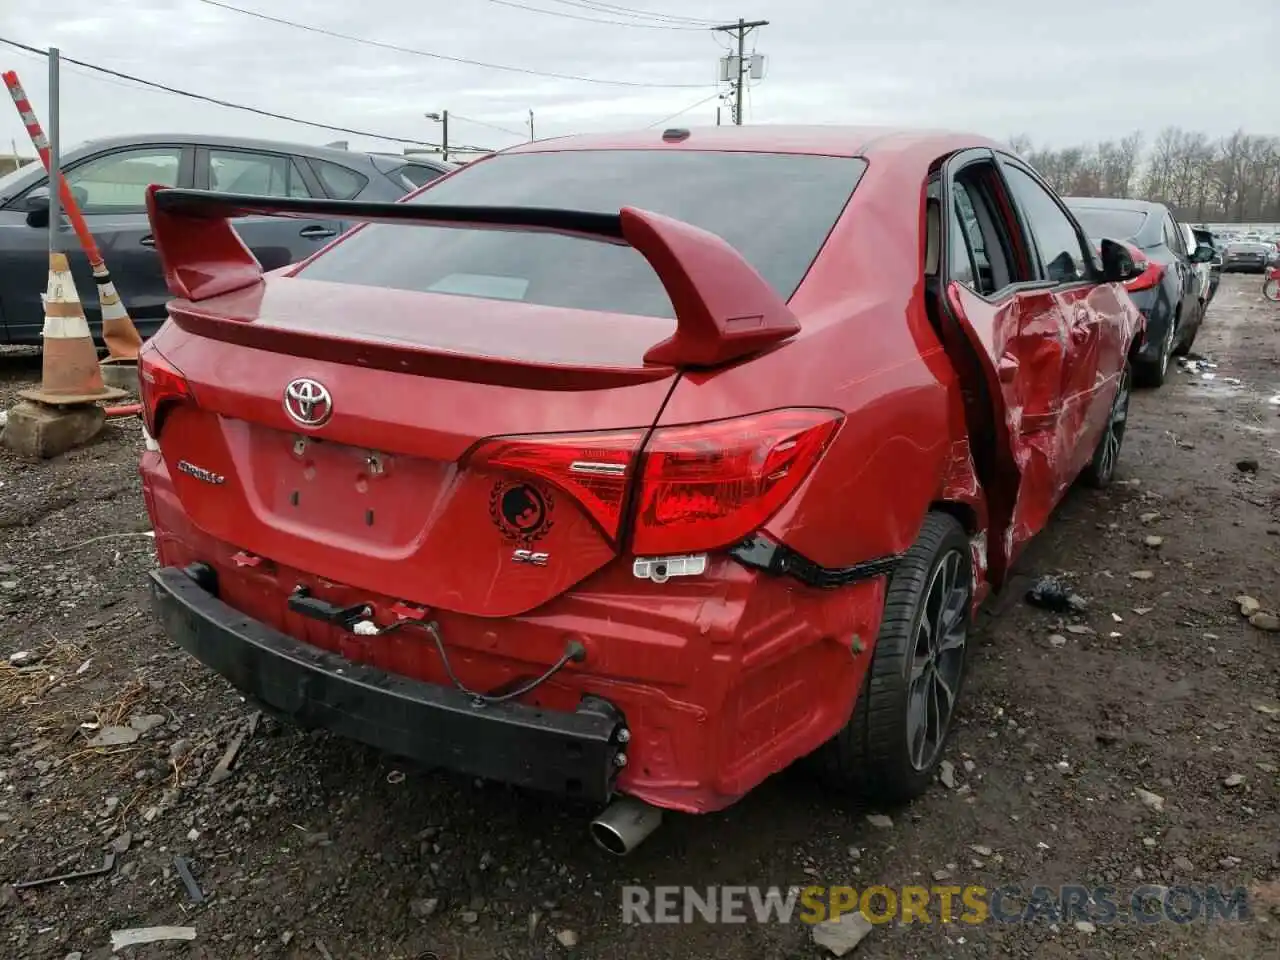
[1109,222]
[9,182]
[775,209]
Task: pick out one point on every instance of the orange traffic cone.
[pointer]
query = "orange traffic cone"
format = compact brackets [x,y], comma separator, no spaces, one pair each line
[71,373]
[118,332]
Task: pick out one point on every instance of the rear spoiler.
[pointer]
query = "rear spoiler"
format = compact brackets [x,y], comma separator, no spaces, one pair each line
[724,309]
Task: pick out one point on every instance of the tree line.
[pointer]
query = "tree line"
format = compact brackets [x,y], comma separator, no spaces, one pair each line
[1232,179]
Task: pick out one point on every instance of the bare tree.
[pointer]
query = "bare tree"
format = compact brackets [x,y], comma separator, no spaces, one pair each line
[1233,178]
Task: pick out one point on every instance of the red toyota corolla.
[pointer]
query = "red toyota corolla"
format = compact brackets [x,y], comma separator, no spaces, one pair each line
[631,467]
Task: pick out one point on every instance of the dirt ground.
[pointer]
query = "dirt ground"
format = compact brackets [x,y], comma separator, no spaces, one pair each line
[316,848]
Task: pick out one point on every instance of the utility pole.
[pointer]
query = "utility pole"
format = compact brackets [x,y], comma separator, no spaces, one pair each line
[531,126]
[443,119]
[741,28]
[55,149]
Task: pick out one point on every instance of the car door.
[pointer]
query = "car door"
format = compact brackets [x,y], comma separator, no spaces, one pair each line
[1091,362]
[1182,264]
[1010,352]
[275,241]
[111,189]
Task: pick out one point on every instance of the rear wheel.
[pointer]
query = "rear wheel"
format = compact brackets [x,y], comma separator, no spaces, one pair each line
[891,747]
[1271,289]
[1184,346]
[1102,467]
[1151,373]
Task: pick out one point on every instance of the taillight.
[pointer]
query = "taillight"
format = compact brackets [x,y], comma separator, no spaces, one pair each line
[160,384]
[709,485]
[699,487]
[1150,275]
[594,468]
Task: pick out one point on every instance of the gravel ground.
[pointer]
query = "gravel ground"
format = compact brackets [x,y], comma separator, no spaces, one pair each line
[316,848]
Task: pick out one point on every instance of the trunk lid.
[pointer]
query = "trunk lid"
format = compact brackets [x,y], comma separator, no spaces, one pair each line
[352,429]
[387,494]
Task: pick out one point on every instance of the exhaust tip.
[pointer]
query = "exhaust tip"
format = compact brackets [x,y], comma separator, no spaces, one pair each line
[608,839]
[624,825]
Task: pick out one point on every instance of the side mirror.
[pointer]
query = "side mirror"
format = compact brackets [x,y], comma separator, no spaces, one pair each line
[1118,265]
[37,205]
[1203,254]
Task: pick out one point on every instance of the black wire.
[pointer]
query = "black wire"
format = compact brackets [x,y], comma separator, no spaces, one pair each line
[491,126]
[227,103]
[573,651]
[440,56]
[617,10]
[685,110]
[612,23]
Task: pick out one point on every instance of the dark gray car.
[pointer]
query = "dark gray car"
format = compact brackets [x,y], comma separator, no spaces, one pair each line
[109,178]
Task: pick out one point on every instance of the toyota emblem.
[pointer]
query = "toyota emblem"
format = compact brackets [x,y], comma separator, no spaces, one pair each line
[308,402]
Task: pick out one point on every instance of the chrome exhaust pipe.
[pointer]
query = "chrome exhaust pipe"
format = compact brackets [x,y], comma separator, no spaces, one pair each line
[624,824]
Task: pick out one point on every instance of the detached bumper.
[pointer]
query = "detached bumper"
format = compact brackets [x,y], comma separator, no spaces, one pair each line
[574,754]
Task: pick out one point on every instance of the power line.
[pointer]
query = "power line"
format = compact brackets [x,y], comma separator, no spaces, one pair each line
[492,126]
[616,10]
[612,23]
[685,110]
[221,103]
[441,56]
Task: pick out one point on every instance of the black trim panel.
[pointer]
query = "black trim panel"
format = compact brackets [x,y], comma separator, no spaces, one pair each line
[762,553]
[574,754]
[210,204]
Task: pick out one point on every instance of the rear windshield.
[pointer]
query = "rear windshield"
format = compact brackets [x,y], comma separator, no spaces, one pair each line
[1100,223]
[775,209]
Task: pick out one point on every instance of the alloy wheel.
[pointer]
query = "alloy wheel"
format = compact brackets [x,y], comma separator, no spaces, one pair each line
[1116,423]
[1166,348]
[937,664]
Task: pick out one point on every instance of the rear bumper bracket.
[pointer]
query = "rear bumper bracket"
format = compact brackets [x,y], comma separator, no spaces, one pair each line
[576,754]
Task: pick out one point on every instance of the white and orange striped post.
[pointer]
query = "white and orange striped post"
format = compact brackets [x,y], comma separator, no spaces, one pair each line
[71,375]
[118,332]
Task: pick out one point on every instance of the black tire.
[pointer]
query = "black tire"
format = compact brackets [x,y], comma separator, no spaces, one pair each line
[1152,373]
[1102,468]
[873,754]
[1184,346]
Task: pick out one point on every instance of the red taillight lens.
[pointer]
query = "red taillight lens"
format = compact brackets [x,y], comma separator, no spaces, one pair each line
[160,384]
[701,486]
[1149,277]
[711,484]
[594,468]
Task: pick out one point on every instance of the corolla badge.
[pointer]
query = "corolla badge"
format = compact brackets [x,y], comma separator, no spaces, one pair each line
[200,473]
[308,402]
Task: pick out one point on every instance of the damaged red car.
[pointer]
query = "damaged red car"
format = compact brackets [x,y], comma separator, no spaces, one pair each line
[634,468]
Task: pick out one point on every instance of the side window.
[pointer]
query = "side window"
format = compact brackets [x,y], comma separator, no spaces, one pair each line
[117,182]
[257,174]
[1061,255]
[1173,237]
[980,254]
[418,176]
[969,260]
[339,182]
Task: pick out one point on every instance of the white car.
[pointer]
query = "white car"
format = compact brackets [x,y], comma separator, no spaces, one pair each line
[1203,271]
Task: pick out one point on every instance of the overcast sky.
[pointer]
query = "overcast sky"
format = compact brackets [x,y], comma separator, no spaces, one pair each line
[1060,72]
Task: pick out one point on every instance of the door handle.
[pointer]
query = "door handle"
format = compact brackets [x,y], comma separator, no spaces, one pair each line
[316,233]
[148,241]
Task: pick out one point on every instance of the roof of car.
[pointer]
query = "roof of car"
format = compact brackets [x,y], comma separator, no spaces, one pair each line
[828,140]
[213,140]
[1114,203]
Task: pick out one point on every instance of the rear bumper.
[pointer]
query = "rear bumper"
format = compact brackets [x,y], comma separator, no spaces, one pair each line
[570,753]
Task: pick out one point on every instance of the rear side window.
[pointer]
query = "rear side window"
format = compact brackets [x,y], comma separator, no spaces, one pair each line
[418,176]
[1110,224]
[338,181]
[775,209]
